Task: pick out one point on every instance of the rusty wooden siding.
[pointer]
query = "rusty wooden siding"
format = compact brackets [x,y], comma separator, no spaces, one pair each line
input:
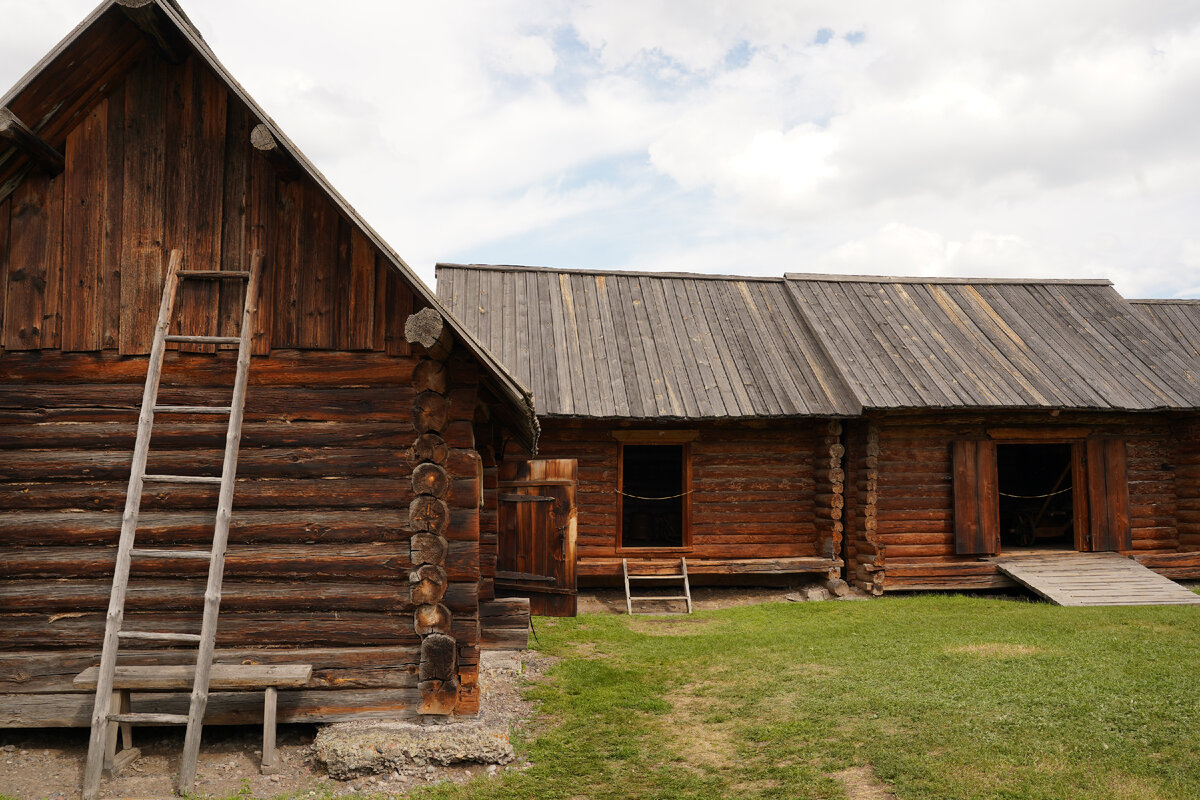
[757,492]
[907,459]
[160,158]
[979,343]
[648,345]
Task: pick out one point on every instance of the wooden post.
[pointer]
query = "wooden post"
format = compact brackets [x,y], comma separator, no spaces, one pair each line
[270,764]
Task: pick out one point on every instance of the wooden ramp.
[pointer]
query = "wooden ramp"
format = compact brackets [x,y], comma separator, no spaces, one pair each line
[1093,579]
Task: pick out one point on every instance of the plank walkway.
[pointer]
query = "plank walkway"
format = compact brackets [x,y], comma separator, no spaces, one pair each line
[1093,579]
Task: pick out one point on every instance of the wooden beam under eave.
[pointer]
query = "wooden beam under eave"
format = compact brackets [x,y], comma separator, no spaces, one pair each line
[18,135]
[152,21]
[281,160]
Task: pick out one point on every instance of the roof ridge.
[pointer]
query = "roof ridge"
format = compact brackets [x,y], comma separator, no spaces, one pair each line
[616,272]
[933,279]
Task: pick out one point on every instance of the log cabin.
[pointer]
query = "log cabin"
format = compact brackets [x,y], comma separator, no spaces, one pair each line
[1005,416]
[698,414]
[362,526]
[1179,322]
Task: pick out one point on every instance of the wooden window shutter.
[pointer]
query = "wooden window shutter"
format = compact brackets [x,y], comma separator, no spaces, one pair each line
[976,498]
[1108,495]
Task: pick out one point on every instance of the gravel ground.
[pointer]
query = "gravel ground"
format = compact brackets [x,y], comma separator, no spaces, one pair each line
[48,763]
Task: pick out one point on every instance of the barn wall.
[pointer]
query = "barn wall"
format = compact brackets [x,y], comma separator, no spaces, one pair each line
[758,491]
[914,502]
[164,161]
[1187,476]
[321,547]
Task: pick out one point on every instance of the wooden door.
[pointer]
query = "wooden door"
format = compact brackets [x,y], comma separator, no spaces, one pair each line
[1108,495]
[976,498]
[536,557]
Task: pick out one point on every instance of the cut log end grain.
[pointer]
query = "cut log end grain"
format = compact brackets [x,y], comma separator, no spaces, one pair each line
[430,447]
[427,514]
[428,329]
[438,698]
[430,412]
[430,618]
[439,658]
[430,479]
[430,376]
[427,585]
[427,548]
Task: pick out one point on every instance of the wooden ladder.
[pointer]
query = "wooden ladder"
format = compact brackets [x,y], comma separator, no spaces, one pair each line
[681,577]
[106,718]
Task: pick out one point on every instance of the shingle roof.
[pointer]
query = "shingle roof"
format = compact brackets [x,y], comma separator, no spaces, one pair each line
[1178,319]
[978,343]
[648,345]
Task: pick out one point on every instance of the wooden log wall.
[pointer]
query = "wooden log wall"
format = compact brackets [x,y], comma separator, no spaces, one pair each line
[164,160]
[831,501]
[445,515]
[320,555]
[914,516]
[863,556]
[1186,435]
[755,491]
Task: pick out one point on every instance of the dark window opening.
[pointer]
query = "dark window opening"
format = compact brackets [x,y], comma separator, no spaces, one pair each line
[652,501]
[1037,503]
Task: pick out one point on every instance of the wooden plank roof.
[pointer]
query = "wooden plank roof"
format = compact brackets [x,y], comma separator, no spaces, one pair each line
[1179,320]
[981,343]
[648,345]
[79,71]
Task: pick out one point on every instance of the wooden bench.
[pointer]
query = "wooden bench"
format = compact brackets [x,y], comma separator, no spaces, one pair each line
[224,677]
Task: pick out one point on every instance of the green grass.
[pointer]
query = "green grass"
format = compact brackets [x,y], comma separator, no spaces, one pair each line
[944,697]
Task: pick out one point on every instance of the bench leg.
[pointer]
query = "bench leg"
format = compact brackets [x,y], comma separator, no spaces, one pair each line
[114,762]
[270,764]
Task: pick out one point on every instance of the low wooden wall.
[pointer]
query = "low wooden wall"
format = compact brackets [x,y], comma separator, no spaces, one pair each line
[760,493]
[319,561]
[900,514]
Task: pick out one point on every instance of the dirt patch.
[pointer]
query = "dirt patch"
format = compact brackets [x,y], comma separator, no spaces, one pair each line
[862,784]
[48,763]
[672,626]
[997,649]
[612,601]
[703,743]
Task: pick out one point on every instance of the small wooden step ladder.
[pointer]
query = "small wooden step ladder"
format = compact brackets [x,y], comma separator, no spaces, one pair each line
[106,718]
[681,577]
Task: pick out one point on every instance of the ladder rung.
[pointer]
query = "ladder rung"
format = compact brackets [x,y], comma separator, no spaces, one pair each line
[203,339]
[151,636]
[181,478]
[139,552]
[655,577]
[193,409]
[664,597]
[150,719]
[214,274]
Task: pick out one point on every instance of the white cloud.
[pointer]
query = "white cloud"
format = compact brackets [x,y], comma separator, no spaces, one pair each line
[736,135]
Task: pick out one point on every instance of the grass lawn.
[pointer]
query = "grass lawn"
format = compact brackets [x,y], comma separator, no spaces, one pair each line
[942,696]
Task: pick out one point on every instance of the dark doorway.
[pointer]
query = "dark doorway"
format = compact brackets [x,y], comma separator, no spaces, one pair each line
[1037,502]
[652,495]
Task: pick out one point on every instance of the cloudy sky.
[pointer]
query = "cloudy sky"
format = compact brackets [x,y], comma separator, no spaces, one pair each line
[1015,138]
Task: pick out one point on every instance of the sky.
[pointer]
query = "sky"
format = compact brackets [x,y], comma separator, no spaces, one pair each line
[1007,139]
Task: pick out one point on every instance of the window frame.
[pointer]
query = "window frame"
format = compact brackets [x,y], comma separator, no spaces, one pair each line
[681,439]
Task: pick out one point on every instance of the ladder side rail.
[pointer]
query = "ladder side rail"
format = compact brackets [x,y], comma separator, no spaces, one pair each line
[129,519]
[216,570]
[628,598]
[687,587]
